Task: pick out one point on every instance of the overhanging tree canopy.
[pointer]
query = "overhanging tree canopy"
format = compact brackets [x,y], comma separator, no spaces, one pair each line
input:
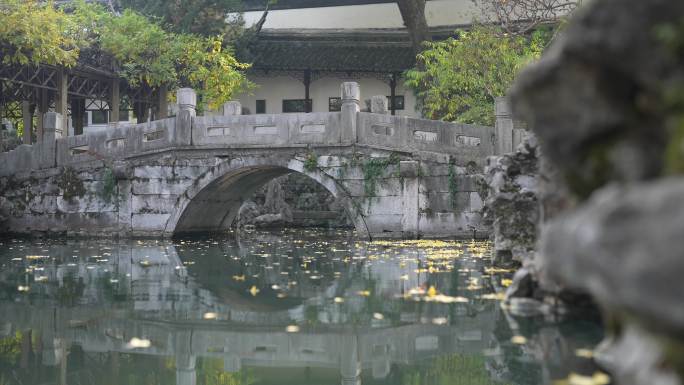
[138,49]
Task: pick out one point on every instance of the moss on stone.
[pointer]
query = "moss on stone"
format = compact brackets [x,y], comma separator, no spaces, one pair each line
[70,184]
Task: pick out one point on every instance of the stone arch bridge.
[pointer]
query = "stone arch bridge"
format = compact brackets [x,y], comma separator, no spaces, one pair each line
[396,176]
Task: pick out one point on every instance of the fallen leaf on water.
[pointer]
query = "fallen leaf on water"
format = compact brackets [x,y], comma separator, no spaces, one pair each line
[378,316]
[292,329]
[584,353]
[254,291]
[363,293]
[432,292]
[209,315]
[138,343]
[597,378]
[239,277]
[505,282]
[518,340]
[339,299]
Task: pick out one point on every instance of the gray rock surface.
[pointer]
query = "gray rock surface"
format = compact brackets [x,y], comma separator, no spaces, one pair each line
[601,103]
[625,247]
[293,200]
[595,100]
[512,207]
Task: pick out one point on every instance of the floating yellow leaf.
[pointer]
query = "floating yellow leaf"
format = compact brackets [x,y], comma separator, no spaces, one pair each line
[135,343]
[239,277]
[597,378]
[505,282]
[518,340]
[432,292]
[254,291]
[363,293]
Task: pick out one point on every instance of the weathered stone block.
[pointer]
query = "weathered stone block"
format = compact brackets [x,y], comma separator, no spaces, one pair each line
[149,221]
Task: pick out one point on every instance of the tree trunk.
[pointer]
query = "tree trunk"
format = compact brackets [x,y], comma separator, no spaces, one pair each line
[413,14]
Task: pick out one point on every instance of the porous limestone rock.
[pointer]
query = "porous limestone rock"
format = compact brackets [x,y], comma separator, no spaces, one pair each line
[512,207]
[601,103]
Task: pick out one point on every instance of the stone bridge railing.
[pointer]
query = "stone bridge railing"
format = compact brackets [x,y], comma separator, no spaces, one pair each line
[347,127]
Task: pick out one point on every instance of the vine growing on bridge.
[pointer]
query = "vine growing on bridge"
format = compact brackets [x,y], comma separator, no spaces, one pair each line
[453,186]
[70,184]
[109,191]
[373,169]
[311,162]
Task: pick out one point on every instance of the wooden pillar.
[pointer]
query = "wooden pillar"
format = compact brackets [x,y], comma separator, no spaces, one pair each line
[78,113]
[43,106]
[163,103]
[27,116]
[141,112]
[307,85]
[393,93]
[2,105]
[61,99]
[114,103]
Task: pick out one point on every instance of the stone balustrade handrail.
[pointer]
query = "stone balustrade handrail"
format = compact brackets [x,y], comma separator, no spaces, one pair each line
[344,128]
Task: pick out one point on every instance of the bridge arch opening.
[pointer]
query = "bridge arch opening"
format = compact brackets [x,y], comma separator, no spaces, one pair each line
[213,202]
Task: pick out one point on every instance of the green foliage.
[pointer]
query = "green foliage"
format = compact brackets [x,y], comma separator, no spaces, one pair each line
[457,79]
[33,33]
[70,184]
[144,53]
[373,169]
[109,186]
[203,17]
[672,98]
[311,162]
[210,372]
[453,186]
[150,55]
[455,369]
[10,348]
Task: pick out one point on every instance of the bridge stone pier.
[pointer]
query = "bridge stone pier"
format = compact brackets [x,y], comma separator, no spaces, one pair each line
[395,176]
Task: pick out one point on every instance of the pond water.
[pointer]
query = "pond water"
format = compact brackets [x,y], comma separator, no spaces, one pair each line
[304,307]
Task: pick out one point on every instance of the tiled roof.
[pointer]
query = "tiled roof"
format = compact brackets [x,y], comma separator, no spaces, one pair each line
[333,50]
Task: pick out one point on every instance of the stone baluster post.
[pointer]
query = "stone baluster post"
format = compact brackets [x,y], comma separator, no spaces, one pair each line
[410,173]
[187,104]
[379,104]
[503,126]
[232,109]
[186,371]
[27,117]
[350,364]
[351,95]
[53,129]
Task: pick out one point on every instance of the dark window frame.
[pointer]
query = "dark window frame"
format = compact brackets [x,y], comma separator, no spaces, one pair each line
[337,107]
[93,113]
[301,108]
[260,110]
[401,105]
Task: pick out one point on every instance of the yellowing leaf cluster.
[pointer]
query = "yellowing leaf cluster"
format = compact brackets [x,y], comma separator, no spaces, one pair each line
[143,52]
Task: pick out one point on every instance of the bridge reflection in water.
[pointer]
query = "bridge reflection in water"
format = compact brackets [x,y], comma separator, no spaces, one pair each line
[266,305]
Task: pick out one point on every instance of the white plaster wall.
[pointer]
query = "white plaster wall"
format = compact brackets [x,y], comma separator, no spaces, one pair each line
[437,13]
[275,89]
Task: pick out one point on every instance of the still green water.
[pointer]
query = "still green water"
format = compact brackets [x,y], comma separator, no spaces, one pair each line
[306,307]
